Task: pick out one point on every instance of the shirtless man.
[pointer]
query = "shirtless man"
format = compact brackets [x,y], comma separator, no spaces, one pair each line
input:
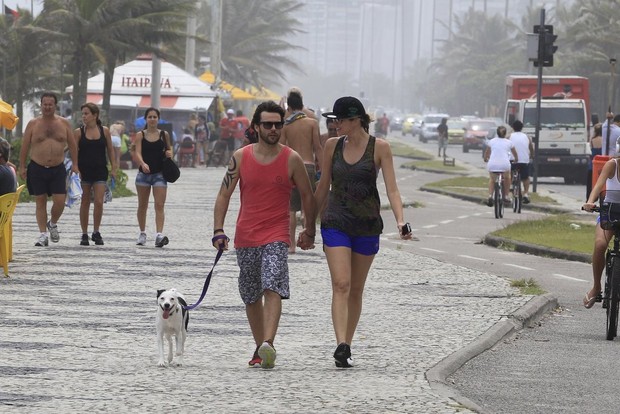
[301,133]
[47,137]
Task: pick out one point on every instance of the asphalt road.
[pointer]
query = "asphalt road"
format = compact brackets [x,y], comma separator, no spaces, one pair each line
[564,364]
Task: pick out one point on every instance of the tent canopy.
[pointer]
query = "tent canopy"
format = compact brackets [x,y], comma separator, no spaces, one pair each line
[131,87]
[8,119]
[264,94]
[236,93]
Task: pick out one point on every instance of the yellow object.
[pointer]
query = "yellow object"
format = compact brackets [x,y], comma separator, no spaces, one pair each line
[264,94]
[8,119]
[7,207]
[9,228]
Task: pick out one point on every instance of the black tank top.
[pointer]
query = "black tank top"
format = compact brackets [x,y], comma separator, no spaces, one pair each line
[153,153]
[353,205]
[92,160]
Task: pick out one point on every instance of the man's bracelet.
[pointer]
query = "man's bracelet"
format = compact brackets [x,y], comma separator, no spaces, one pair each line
[218,231]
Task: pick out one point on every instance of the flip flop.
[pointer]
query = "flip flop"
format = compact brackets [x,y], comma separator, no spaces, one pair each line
[588,302]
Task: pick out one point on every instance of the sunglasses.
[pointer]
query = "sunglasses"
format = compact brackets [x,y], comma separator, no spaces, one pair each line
[269,125]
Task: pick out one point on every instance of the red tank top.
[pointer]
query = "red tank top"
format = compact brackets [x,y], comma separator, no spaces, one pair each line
[265,194]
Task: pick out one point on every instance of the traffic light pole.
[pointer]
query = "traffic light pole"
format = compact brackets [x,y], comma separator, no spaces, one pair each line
[541,56]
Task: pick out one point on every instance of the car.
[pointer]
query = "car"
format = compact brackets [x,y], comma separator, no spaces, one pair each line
[429,126]
[396,122]
[476,134]
[456,130]
[411,125]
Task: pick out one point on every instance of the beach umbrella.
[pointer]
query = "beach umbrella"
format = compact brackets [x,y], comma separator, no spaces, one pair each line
[8,119]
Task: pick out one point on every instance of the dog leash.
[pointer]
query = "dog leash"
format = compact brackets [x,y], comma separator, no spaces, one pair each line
[220,251]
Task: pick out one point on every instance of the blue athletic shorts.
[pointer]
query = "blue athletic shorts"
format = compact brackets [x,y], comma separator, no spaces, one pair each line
[151,180]
[366,245]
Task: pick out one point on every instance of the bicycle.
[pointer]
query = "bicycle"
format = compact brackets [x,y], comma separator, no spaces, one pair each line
[515,189]
[498,194]
[610,220]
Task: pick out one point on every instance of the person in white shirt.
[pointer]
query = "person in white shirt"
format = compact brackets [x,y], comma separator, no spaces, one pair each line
[525,150]
[614,134]
[497,156]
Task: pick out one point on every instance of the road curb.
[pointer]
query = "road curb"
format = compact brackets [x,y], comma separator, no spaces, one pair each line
[536,250]
[526,316]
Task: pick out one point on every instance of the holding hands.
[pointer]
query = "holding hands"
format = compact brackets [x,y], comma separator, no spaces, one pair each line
[305,241]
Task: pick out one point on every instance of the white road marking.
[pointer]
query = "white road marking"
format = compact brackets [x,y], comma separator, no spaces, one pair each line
[569,278]
[473,258]
[432,250]
[446,221]
[430,226]
[462,217]
[518,267]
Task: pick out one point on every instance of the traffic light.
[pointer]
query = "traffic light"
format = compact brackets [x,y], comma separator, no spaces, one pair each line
[545,43]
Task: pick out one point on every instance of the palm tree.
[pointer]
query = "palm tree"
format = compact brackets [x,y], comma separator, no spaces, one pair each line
[254,34]
[100,33]
[27,59]
[468,75]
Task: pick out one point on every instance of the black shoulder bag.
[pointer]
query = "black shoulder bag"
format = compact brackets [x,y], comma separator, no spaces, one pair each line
[170,170]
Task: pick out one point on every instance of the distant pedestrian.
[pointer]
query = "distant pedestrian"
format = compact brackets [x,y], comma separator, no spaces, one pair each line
[614,134]
[266,172]
[442,137]
[243,123]
[94,143]
[201,135]
[151,145]
[46,138]
[8,176]
[228,126]
[351,221]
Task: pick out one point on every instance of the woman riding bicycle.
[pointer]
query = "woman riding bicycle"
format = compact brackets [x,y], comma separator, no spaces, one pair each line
[497,156]
[607,181]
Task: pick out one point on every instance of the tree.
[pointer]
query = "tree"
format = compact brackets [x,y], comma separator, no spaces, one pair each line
[468,74]
[254,34]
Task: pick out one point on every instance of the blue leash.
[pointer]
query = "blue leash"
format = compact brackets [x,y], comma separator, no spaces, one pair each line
[220,251]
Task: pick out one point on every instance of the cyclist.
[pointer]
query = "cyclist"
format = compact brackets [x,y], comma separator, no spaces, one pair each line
[525,149]
[497,156]
[608,180]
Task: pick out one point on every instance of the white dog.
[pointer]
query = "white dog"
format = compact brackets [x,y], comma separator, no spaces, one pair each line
[171,320]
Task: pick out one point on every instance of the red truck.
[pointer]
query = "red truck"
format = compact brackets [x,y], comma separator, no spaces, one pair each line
[564,122]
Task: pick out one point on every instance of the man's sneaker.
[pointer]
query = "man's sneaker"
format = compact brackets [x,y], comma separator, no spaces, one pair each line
[42,241]
[267,354]
[255,362]
[342,356]
[97,238]
[490,201]
[141,239]
[84,241]
[526,200]
[161,241]
[53,232]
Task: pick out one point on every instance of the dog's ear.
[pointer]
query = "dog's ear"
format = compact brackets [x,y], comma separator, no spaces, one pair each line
[160,291]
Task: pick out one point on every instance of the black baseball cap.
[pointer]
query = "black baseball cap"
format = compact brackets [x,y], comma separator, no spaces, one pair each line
[346,107]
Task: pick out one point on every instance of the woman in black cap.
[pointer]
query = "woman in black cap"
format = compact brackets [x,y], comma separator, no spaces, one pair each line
[351,220]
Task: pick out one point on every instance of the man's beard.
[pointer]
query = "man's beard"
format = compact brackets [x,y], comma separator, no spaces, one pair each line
[269,140]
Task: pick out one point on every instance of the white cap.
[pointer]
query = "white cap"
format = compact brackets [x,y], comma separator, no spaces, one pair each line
[230,111]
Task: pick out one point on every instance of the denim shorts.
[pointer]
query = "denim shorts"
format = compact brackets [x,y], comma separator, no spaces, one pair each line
[91,183]
[365,245]
[150,180]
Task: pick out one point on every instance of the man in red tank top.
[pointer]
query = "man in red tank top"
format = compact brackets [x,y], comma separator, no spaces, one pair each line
[267,172]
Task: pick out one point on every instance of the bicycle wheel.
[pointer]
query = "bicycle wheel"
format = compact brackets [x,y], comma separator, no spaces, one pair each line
[614,300]
[498,203]
[517,197]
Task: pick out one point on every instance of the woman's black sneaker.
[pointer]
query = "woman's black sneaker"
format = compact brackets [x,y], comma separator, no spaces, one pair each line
[97,239]
[84,241]
[342,356]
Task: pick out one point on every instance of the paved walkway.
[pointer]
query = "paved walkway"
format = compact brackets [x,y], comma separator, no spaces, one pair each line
[77,326]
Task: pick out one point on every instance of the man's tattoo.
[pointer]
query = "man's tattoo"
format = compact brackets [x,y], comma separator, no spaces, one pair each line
[230,173]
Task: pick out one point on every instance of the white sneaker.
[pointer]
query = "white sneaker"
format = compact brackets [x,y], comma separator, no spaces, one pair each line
[141,239]
[161,240]
[53,232]
[42,241]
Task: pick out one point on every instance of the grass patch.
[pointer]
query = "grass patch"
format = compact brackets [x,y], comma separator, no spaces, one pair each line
[555,232]
[478,186]
[436,165]
[405,151]
[527,286]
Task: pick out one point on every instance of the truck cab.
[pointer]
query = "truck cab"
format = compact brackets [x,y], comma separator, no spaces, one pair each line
[563,136]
